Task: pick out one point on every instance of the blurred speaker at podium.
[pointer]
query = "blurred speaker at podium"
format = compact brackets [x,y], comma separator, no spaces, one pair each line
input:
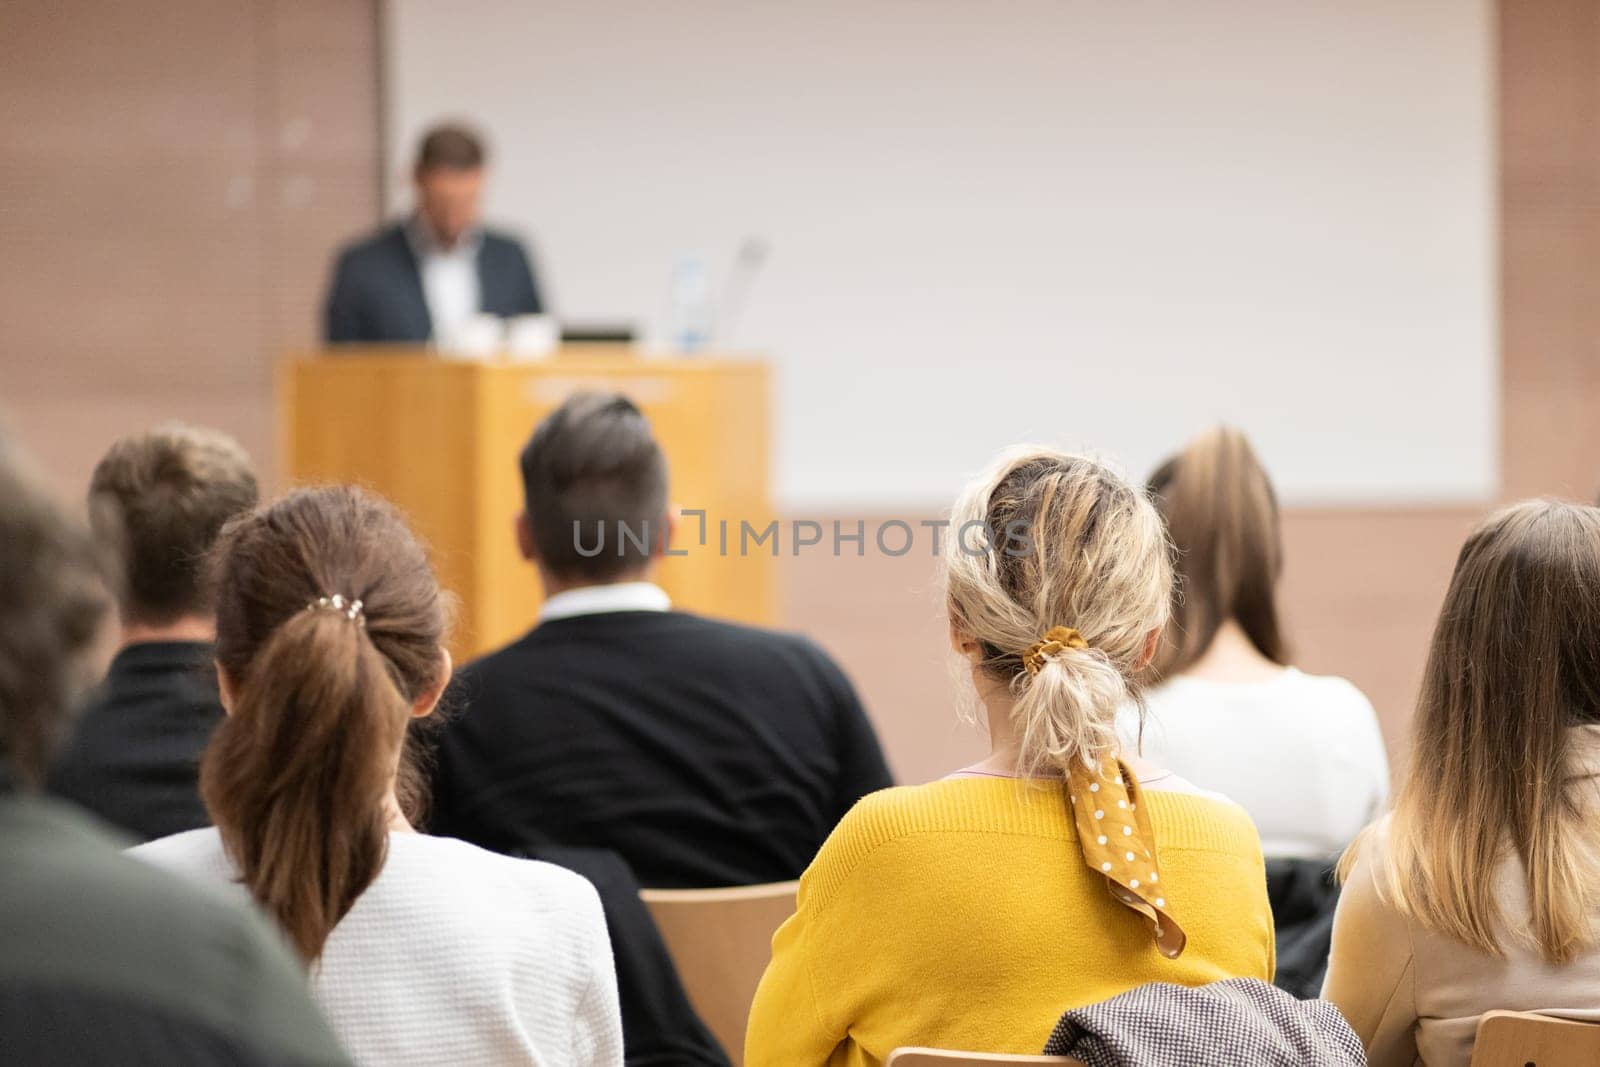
[432,277]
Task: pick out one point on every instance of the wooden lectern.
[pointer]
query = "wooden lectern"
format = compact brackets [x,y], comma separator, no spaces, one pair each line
[441,439]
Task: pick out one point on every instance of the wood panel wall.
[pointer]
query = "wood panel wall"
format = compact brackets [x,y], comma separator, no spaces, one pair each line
[1550,246]
[175,178]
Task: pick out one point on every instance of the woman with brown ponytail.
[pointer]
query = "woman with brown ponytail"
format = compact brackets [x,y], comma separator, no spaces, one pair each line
[423,950]
[1301,753]
[970,912]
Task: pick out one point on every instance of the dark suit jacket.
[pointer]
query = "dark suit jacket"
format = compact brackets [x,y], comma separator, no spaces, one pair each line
[702,752]
[134,759]
[659,1025]
[1304,895]
[376,296]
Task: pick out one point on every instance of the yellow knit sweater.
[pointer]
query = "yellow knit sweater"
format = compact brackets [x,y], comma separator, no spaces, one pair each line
[960,914]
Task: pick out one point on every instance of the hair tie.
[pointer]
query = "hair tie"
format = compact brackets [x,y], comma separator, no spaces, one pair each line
[1056,639]
[350,609]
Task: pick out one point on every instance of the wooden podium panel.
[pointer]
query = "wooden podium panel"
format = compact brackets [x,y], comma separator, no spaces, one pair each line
[441,438]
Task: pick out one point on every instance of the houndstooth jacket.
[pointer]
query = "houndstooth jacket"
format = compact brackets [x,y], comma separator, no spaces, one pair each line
[1240,1022]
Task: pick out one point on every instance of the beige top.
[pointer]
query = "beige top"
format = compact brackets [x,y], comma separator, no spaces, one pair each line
[1416,996]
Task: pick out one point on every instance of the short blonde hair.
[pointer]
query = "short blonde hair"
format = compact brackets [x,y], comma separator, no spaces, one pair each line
[1067,542]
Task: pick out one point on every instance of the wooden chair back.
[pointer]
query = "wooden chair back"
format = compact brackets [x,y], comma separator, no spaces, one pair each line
[720,941]
[1524,1039]
[933,1057]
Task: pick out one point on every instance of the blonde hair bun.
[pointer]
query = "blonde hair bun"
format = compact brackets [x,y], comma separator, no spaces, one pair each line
[1046,540]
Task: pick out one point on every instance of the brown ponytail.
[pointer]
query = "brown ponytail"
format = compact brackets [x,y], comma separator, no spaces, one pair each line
[297,776]
[1222,516]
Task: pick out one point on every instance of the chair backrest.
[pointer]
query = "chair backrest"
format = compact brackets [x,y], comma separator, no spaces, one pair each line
[933,1057]
[1523,1039]
[721,940]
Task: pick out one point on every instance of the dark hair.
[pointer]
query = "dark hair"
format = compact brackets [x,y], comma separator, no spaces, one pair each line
[591,467]
[53,603]
[158,500]
[1222,517]
[296,776]
[450,146]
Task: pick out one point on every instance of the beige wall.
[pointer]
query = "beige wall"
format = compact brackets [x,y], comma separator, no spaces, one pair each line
[176,176]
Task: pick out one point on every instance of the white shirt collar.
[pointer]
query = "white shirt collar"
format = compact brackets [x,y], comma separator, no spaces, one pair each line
[425,246]
[603,599]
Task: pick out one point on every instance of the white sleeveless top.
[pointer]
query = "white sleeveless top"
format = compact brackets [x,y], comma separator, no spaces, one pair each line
[453,955]
[1302,754]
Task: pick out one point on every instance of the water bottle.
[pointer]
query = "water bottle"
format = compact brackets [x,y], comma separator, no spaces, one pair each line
[692,313]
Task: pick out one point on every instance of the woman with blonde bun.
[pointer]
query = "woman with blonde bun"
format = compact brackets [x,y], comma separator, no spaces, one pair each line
[970,912]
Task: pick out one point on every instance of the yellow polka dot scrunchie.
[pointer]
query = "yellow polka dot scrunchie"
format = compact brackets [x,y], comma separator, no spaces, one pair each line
[1114,832]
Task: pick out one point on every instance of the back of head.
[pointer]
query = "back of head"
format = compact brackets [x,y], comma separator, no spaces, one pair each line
[1048,540]
[158,500]
[1514,665]
[1222,516]
[595,486]
[450,146]
[53,605]
[297,777]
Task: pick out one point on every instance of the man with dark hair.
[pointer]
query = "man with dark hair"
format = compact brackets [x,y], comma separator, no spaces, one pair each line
[593,466]
[104,960]
[156,503]
[428,277]
[703,752]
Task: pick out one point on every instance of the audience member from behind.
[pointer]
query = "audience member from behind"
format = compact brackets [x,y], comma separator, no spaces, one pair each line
[1481,889]
[330,630]
[102,960]
[704,753]
[157,501]
[1302,754]
[968,913]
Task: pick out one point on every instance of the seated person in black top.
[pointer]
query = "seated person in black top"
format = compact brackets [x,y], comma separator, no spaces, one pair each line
[105,960]
[157,502]
[703,752]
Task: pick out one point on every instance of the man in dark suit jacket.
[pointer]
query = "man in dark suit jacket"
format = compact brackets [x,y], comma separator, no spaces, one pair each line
[423,279]
[703,752]
[157,501]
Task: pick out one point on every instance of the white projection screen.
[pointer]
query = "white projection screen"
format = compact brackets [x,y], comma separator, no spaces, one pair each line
[1088,223]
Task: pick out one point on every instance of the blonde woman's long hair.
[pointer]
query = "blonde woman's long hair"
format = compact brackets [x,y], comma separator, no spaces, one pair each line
[1047,539]
[1515,664]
